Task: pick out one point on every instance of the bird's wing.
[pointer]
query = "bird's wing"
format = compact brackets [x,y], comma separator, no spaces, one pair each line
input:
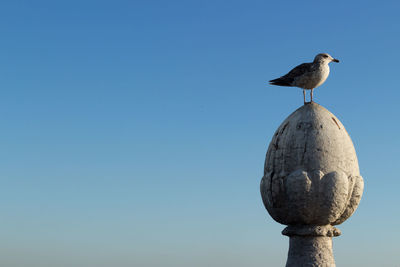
[299,70]
[288,79]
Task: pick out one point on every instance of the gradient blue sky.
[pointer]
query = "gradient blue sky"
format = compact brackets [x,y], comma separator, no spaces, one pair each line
[133,133]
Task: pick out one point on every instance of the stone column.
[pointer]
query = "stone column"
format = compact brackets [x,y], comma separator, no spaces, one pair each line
[311,183]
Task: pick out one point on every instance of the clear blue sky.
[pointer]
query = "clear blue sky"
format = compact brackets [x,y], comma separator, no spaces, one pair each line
[133,133]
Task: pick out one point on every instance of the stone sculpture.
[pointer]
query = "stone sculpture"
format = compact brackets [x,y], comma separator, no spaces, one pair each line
[311,183]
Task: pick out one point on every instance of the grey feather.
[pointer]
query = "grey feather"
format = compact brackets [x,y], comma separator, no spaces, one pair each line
[288,79]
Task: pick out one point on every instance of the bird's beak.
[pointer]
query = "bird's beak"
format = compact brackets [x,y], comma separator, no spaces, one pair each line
[335,60]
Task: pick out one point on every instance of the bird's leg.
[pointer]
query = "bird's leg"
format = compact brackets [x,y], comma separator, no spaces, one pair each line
[311,94]
[304,96]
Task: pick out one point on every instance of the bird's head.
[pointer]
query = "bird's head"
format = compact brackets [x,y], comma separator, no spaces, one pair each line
[325,58]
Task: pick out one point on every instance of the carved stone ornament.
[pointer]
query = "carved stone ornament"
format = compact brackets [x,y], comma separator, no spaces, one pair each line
[311,182]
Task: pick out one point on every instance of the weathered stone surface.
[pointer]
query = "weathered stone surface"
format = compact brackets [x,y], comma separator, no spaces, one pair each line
[311,178]
[311,171]
[310,251]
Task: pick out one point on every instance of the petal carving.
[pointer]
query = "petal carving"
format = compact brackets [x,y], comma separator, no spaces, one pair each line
[298,190]
[353,201]
[332,196]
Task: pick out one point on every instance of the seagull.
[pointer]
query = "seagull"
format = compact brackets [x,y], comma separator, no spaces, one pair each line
[307,75]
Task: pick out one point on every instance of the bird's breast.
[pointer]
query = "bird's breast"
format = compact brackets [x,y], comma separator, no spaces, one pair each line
[321,76]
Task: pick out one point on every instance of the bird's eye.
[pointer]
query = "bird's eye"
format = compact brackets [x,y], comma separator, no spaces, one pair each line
[325,56]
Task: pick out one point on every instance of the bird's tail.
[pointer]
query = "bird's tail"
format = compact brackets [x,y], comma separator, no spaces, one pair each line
[280,82]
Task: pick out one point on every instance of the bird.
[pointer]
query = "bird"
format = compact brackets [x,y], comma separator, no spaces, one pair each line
[307,76]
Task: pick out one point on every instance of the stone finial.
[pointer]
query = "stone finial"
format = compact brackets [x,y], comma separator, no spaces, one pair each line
[311,182]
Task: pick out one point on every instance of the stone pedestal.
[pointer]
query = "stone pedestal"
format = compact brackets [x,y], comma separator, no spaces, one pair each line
[310,245]
[310,251]
[311,182]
